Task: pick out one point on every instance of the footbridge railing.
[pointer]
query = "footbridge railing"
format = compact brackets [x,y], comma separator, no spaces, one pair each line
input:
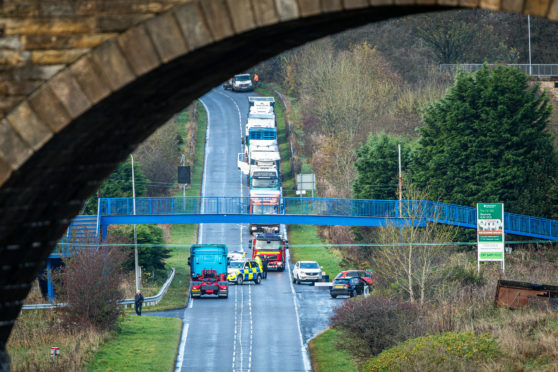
[326,211]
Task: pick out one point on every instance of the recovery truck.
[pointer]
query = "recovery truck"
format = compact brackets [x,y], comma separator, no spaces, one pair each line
[272,246]
[242,83]
[259,121]
[208,267]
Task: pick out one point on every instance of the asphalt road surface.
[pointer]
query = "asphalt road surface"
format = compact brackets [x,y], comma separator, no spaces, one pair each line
[259,327]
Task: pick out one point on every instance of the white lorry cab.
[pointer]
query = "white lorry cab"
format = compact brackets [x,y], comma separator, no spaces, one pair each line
[261,156]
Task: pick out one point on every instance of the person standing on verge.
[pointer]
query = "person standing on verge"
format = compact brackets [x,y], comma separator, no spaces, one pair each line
[138,302]
[256,80]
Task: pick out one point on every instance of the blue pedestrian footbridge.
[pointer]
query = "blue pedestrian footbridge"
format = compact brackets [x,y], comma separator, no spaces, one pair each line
[309,211]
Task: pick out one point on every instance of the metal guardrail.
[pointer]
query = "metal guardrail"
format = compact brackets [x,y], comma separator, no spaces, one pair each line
[147,301]
[417,210]
[533,69]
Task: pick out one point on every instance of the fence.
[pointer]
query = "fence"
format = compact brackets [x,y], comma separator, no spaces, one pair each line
[147,301]
[533,69]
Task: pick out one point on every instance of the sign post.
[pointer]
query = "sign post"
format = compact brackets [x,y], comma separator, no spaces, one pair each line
[54,352]
[490,233]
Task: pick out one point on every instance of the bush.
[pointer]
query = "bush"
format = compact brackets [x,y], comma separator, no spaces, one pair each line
[90,285]
[372,324]
[449,351]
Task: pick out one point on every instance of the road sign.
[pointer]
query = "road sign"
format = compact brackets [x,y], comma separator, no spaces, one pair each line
[490,232]
[184,174]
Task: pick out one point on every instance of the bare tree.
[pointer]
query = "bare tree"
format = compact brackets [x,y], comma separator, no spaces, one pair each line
[412,255]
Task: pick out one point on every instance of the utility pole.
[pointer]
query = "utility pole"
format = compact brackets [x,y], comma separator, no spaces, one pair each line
[138,280]
[529,34]
[400,178]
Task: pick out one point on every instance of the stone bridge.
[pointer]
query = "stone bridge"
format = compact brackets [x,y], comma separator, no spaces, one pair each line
[83,82]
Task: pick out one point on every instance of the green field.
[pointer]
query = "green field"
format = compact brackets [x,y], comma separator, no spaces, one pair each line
[308,235]
[327,356]
[143,344]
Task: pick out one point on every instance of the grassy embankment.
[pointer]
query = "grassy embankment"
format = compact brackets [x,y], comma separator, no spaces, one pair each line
[150,343]
[323,351]
[143,344]
[327,357]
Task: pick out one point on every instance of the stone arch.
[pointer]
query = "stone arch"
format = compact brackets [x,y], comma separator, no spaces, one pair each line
[61,140]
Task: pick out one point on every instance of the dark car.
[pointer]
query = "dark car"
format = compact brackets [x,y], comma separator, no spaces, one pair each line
[347,287]
[367,275]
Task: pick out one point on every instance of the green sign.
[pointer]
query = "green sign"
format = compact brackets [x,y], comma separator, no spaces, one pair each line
[490,231]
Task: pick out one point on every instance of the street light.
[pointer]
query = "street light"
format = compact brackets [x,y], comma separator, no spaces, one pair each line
[400,179]
[138,279]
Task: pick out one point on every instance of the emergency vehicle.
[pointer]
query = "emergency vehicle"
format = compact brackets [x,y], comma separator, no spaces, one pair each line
[272,246]
[248,271]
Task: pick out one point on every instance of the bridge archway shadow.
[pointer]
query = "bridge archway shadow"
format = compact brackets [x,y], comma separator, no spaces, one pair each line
[73,131]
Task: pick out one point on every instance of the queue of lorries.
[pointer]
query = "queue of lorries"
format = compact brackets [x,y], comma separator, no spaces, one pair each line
[212,267]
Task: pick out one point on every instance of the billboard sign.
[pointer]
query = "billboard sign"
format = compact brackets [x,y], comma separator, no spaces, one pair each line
[490,231]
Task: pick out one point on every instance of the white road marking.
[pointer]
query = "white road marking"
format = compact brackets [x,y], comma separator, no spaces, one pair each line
[303,349]
[180,358]
[191,305]
[208,128]
[235,326]
[251,328]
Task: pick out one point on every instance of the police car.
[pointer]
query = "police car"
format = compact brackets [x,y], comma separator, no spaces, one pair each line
[242,271]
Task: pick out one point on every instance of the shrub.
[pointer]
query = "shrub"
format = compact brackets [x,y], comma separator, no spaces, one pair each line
[89,284]
[448,351]
[372,324]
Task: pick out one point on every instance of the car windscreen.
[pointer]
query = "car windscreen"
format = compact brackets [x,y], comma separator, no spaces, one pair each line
[309,265]
[236,265]
[352,275]
[268,245]
[242,77]
[341,281]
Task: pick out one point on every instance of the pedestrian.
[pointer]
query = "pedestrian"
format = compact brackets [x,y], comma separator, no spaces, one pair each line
[256,79]
[265,261]
[138,302]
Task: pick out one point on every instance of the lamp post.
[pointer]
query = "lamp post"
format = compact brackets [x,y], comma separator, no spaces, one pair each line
[400,178]
[138,280]
[529,35]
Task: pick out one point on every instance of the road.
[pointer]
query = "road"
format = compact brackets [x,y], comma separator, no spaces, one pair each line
[259,327]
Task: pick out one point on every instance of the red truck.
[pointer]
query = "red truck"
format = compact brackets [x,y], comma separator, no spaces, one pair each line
[272,246]
[209,282]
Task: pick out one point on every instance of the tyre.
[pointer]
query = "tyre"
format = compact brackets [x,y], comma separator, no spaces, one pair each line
[298,281]
[294,280]
[333,296]
[352,294]
[312,283]
[239,280]
[258,279]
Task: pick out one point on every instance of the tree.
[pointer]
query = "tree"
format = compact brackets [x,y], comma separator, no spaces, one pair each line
[377,167]
[159,156]
[411,257]
[150,258]
[90,285]
[119,184]
[486,141]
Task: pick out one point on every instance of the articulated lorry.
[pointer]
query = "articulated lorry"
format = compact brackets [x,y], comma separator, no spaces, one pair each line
[208,267]
[272,246]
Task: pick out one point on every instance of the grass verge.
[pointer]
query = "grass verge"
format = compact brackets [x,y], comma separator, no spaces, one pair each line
[143,344]
[308,235]
[327,356]
[184,235]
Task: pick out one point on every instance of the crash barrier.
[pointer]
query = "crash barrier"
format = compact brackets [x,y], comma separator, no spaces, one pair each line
[529,69]
[327,211]
[516,295]
[147,301]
